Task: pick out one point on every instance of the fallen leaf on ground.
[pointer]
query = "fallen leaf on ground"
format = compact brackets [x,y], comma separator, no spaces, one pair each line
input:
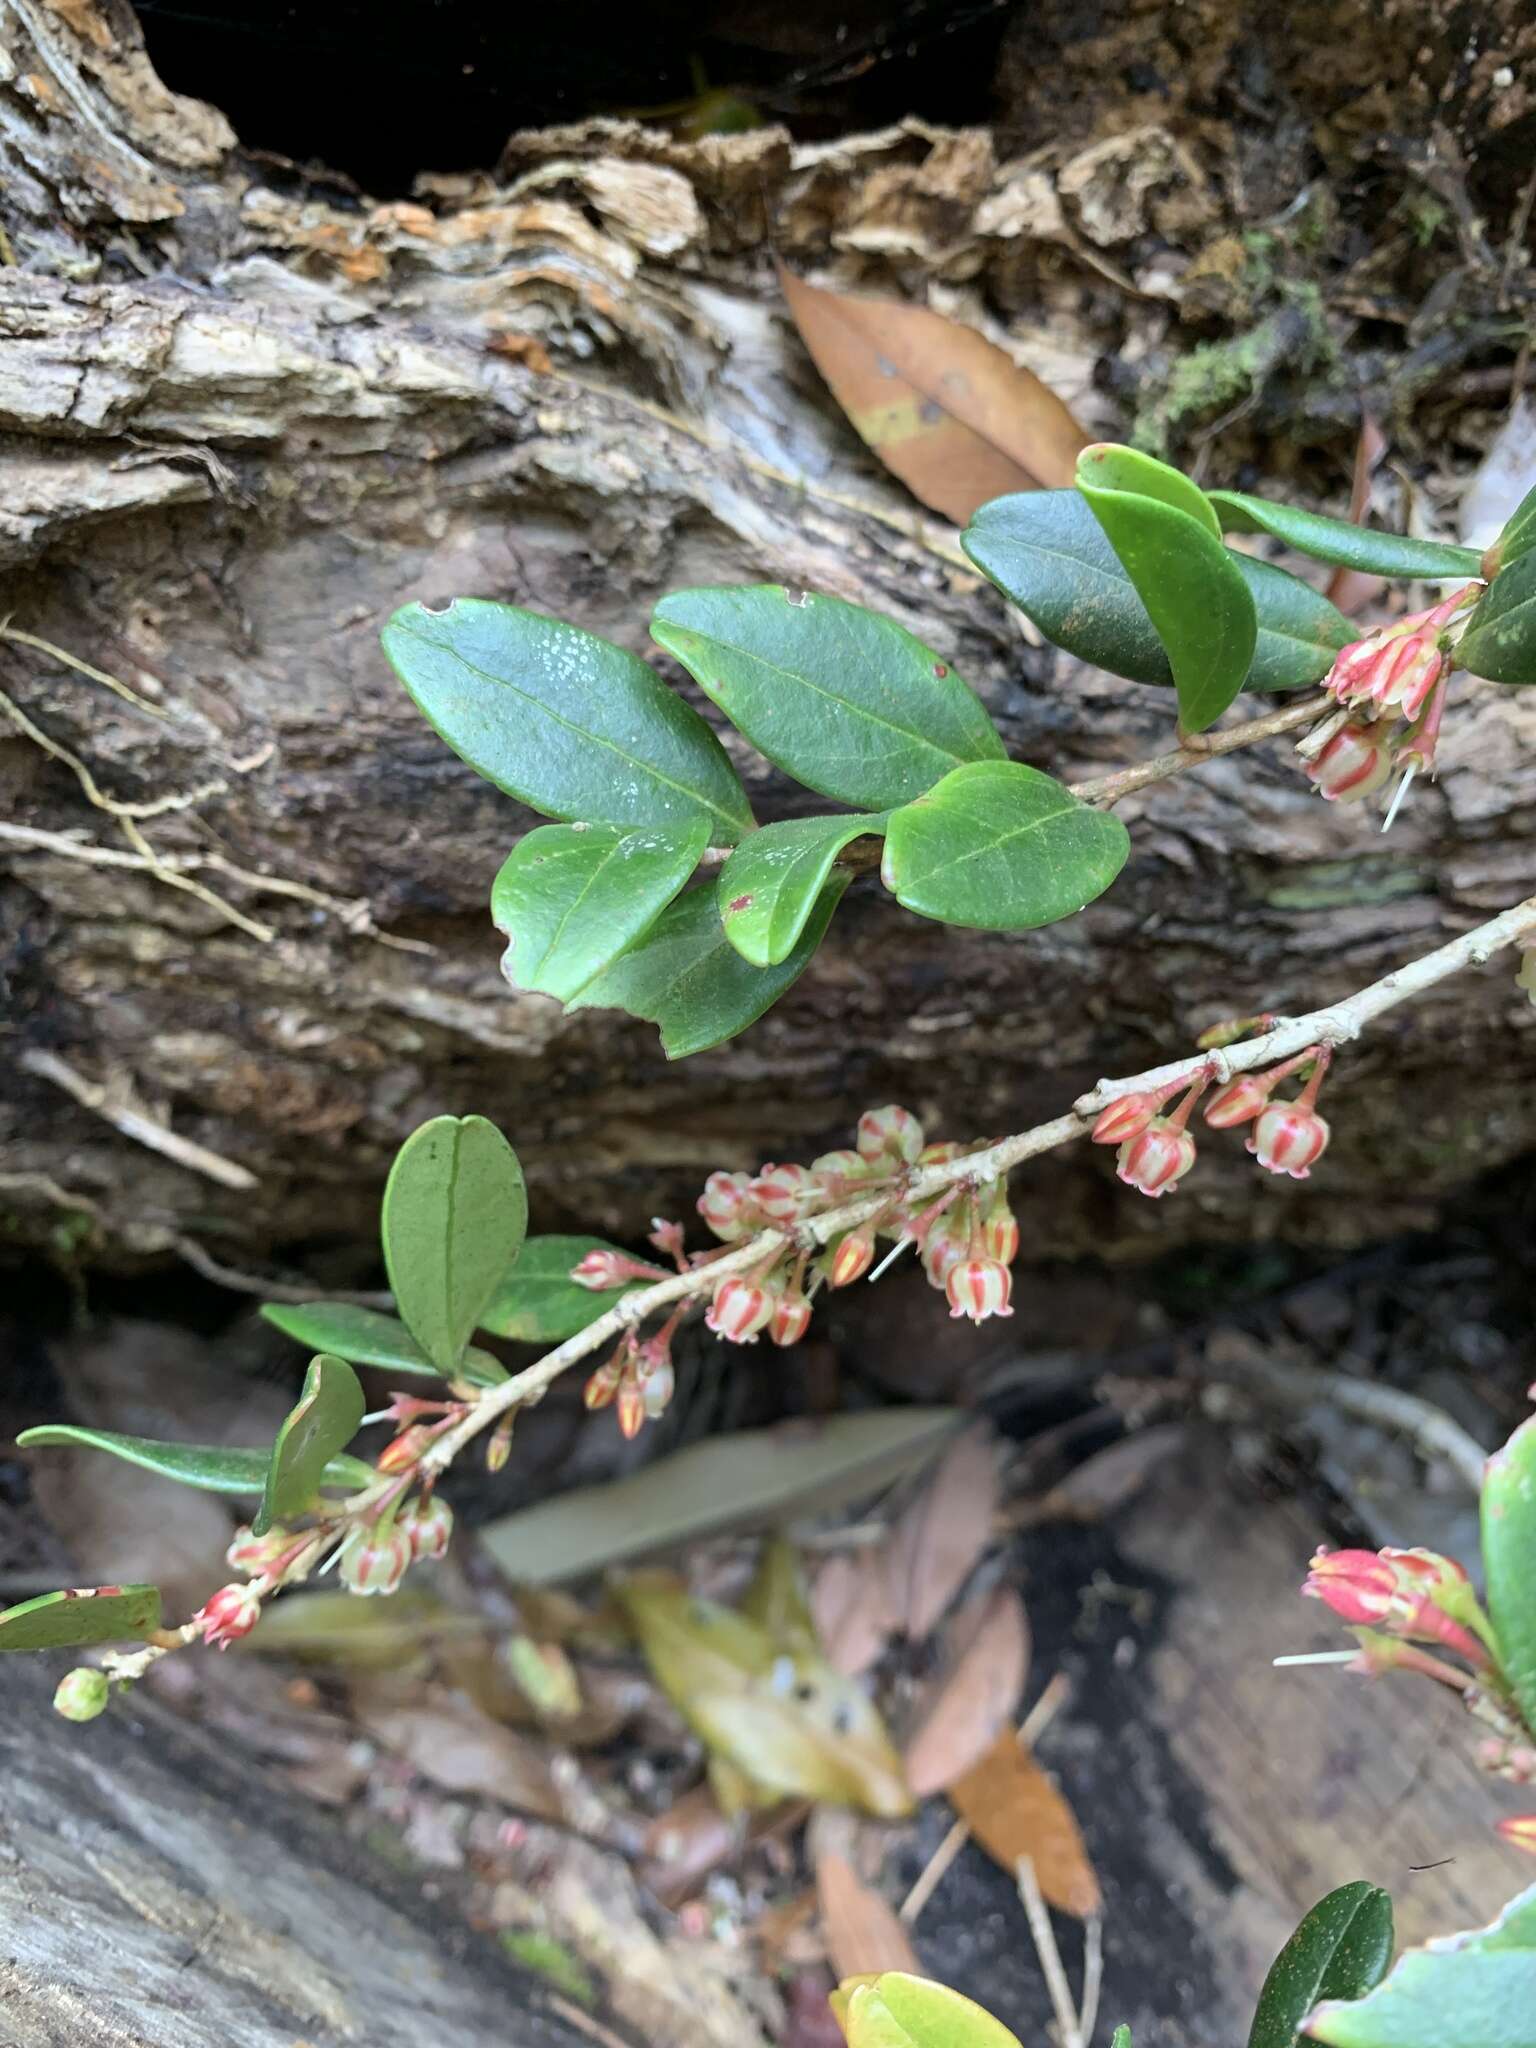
[777,1599]
[851,1605]
[864,1936]
[1110,1478]
[978,1696]
[948,412]
[1014,1809]
[459,1750]
[935,1545]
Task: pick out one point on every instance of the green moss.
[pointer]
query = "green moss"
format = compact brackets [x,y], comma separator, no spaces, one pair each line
[552,1960]
[1217,375]
[1336,884]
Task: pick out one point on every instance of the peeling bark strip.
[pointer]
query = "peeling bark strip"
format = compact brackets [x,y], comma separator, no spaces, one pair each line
[240,427]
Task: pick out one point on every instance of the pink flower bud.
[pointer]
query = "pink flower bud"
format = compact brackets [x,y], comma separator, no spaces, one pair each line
[739,1310]
[889,1137]
[667,1237]
[1357,1584]
[374,1560]
[1126,1117]
[726,1208]
[942,1250]
[602,1268]
[1000,1236]
[228,1615]
[1432,1572]
[1395,1590]
[427,1526]
[941,1152]
[1156,1160]
[853,1257]
[1355,761]
[603,1384]
[498,1446]
[404,1451]
[979,1288]
[256,1555]
[1239,1102]
[631,1407]
[791,1315]
[1395,668]
[781,1192]
[1288,1138]
[835,1173]
[82,1694]
[1519,1830]
[657,1382]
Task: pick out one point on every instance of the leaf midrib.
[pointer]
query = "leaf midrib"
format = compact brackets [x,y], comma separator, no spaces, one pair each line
[1016,832]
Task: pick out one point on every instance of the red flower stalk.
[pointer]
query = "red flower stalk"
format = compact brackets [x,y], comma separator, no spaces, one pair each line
[602,1268]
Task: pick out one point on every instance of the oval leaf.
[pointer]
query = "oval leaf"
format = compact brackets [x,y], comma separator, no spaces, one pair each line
[1193,591]
[1517,538]
[1341,1950]
[215,1468]
[323,1421]
[570,898]
[1500,640]
[539,1303]
[570,724]
[1001,847]
[1014,1809]
[1509,1548]
[1109,466]
[454,1214]
[770,884]
[847,702]
[83,1614]
[346,1331]
[687,978]
[1475,1990]
[1340,542]
[899,2008]
[1048,555]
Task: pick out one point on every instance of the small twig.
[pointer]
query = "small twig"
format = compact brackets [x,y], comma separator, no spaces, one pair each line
[1109,789]
[933,1873]
[1093,1977]
[1050,1955]
[1040,1716]
[84,668]
[203,1261]
[133,1123]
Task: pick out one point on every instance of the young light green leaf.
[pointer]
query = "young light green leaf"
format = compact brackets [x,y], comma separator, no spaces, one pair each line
[1340,541]
[1192,588]
[1474,1990]
[454,1214]
[1517,539]
[539,1303]
[1121,2037]
[215,1468]
[1500,640]
[1342,1949]
[770,884]
[1110,466]
[1001,847]
[1048,554]
[846,701]
[898,2010]
[570,898]
[323,1421]
[1509,1560]
[570,724]
[83,1614]
[687,978]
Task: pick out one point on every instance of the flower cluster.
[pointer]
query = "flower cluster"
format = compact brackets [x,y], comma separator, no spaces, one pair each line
[1156,1151]
[1393,683]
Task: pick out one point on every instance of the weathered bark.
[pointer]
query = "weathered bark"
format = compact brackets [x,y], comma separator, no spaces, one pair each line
[157,1893]
[241,426]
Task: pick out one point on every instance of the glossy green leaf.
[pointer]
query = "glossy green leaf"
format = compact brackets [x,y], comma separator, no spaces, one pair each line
[1500,640]
[1517,539]
[1509,1560]
[1474,1990]
[771,883]
[1001,847]
[346,1331]
[323,1421]
[1048,554]
[1192,588]
[570,724]
[539,1303]
[846,701]
[1111,466]
[1341,1950]
[570,898]
[83,1614]
[687,978]
[454,1214]
[215,1468]
[898,2010]
[1340,541]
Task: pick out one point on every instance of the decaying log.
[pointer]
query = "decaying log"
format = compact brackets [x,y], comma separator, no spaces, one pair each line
[241,424]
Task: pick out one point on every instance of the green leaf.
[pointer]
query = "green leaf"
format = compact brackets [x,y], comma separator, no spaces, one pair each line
[570,724]
[778,1600]
[365,1337]
[454,1214]
[1509,1560]
[1474,1990]
[1048,555]
[1110,466]
[1192,588]
[539,1303]
[770,884]
[686,977]
[1500,640]
[847,702]
[1001,847]
[898,2010]
[1121,2037]
[1341,1950]
[85,1614]
[570,898]
[216,1468]
[1341,542]
[1517,538]
[323,1421]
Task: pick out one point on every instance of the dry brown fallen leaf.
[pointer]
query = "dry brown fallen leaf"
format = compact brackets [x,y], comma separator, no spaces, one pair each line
[460,1750]
[1014,1809]
[953,416]
[862,1932]
[988,1663]
[1352,589]
[943,1532]
[850,1604]
[1106,1481]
